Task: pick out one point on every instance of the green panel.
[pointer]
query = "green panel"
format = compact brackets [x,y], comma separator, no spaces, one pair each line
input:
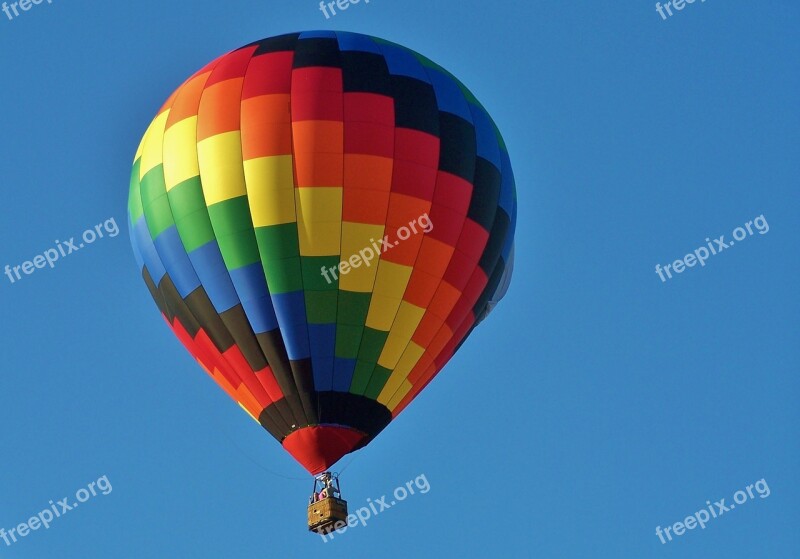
[135,209]
[187,198]
[278,241]
[153,186]
[238,250]
[231,217]
[353,308]
[372,344]
[361,376]
[313,277]
[155,203]
[348,339]
[321,306]
[195,230]
[159,216]
[379,378]
[283,276]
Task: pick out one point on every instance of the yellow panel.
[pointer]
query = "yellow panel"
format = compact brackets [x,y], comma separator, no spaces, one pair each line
[153,144]
[319,239]
[270,189]
[357,243]
[382,311]
[319,205]
[221,168]
[407,362]
[392,279]
[404,326]
[270,173]
[139,149]
[180,146]
[405,388]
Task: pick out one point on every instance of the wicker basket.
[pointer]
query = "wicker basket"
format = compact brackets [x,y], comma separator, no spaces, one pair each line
[323,514]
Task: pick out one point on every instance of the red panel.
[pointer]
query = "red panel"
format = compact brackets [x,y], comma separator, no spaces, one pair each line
[417,147]
[319,447]
[369,107]
[317,94]
[232,65]
[447,224]
[460,269]
[269,73]
[453,192]
[267,379]
[239,363]
[414,179]
[369,138]
[473,240]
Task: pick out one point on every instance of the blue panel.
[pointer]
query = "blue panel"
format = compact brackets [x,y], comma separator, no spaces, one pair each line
[260,314]
[507,186]
[141,239]
[323,373]
[486,136]
[250,282]
[354,41]
[323,339]
[295,336]
[343,370]
[320,34]
[402,62]
[509,241]
[449,96]
[210,268]
[137,253]
[290,308]
[173,255]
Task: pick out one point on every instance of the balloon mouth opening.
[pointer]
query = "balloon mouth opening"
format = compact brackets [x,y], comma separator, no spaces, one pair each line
[318,447]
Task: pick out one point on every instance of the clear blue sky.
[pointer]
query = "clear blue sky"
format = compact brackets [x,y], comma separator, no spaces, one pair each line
[595,404]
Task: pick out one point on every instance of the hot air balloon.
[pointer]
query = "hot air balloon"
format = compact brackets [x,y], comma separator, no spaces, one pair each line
[257,194]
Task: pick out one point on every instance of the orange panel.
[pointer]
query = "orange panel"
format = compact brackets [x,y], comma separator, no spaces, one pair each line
[221,105]
[365,206]
[368,171]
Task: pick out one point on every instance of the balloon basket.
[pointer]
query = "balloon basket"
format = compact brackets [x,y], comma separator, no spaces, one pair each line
[325,513]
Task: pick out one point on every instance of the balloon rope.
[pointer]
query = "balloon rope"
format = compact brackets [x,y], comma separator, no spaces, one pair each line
[254,461]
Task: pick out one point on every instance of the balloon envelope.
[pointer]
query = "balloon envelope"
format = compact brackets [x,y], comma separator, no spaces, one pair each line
[322,218]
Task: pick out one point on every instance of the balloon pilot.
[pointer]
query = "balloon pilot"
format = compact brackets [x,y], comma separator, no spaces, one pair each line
[327,511]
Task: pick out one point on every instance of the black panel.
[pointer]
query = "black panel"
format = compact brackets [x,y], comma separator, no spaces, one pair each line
[154,293]
[365,72]
[317,52]
[459,147]
[494,280]
[178,308]
[346,409]
[273,422]
[206,315]
[494,246]
[415,105]
[272,345]
[236,321]
[485,194]
[282,43]
[304,380]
